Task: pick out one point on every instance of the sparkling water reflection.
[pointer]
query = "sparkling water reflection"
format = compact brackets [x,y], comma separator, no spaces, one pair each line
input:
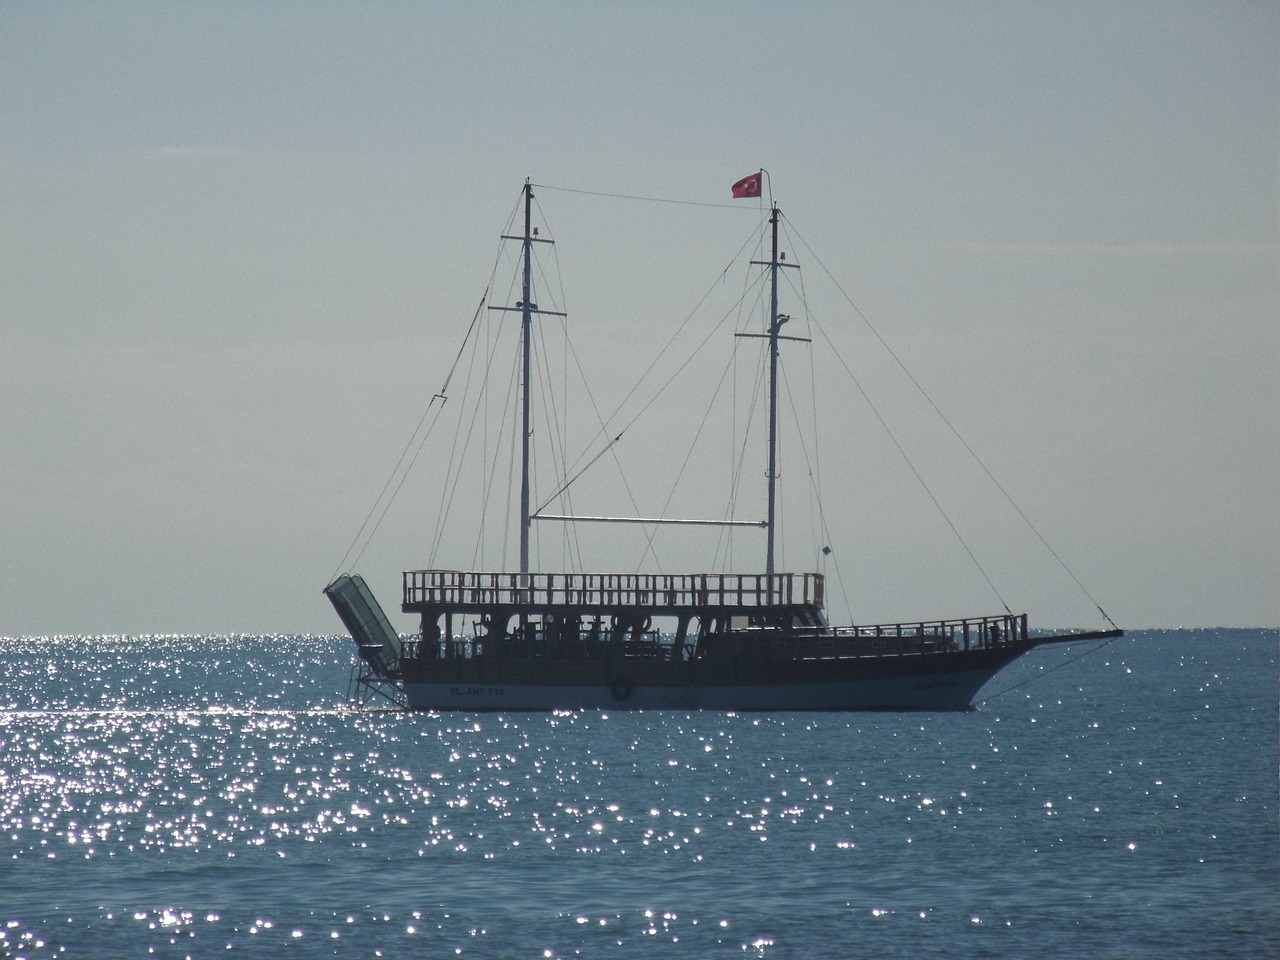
[175,796]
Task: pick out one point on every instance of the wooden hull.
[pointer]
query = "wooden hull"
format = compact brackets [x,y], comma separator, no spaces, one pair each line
[925,681]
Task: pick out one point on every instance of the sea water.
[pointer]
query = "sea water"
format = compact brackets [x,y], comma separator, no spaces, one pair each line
[199,796]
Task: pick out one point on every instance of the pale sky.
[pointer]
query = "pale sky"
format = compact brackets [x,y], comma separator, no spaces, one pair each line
[240,243]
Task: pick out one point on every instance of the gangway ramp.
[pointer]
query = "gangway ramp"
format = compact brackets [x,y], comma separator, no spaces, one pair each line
[376,640]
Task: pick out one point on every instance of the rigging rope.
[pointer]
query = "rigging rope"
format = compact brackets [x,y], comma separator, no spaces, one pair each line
[956,433]
[448,490]
[451,480]
[572,540]
[511,459]
[738,472]
[604,426]
[906,459]
[595,407]
[584,469]
[693,445]
[442,396]
[628,196]
[815,477]
[439,400]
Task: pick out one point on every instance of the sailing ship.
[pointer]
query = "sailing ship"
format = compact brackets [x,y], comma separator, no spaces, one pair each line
[531,640]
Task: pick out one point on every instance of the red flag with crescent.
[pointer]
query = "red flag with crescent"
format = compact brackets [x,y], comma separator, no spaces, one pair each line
[747,186]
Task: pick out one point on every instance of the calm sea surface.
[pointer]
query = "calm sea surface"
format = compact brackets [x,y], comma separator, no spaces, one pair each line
[191,796]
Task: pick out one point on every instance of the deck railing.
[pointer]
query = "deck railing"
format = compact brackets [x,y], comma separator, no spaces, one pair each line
[974,633]
[752,643]
[611,590]
[967,634]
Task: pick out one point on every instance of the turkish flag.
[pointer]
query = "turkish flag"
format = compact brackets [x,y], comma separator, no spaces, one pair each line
[747,186]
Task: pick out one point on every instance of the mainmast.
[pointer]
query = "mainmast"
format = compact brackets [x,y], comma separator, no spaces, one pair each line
[776,261]
[526,428]
[775,322]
